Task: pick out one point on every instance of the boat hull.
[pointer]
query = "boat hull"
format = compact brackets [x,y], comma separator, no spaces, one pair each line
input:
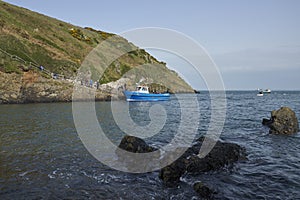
[138,96]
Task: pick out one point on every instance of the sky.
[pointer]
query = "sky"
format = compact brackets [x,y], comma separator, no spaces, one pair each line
[254,43]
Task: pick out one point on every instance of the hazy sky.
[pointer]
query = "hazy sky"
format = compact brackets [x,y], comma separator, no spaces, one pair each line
[255,43]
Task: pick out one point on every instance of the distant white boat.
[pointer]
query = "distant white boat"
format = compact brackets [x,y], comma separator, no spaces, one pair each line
[260,94]
[267,91]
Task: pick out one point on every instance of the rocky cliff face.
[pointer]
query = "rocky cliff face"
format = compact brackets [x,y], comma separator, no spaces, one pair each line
[30,87]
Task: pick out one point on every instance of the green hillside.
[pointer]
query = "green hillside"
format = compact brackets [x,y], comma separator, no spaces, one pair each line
[61,47]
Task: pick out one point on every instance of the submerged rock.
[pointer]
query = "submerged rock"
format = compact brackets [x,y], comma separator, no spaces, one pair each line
[282,121]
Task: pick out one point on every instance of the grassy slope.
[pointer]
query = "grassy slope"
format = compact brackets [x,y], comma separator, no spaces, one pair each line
[61,47]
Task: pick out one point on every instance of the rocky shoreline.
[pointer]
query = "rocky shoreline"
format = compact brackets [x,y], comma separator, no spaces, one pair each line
[31,87]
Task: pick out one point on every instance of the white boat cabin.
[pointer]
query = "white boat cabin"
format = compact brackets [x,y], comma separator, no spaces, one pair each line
[142,89]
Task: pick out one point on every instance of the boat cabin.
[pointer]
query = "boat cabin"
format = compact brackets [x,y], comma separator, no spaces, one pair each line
[142,89]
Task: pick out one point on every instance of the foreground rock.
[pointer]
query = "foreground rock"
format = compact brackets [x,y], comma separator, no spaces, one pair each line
[223,154]
[203,191]
[135,145]
[282,121]
[133,162]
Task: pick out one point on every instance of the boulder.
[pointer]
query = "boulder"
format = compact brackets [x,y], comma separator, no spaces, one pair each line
[135,145]
[282,121]
[221,155]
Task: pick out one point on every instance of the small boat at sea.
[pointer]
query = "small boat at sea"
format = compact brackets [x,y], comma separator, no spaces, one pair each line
[142,94]
[267,91]
[260,94]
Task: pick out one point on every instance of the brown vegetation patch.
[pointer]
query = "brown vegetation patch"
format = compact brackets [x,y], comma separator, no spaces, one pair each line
[30,77]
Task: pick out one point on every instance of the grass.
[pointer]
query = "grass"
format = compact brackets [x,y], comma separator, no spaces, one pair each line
[48,42]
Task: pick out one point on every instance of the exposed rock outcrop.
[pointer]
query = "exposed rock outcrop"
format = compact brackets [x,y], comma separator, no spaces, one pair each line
[10,88]
[282,121]
[31,87]
[138,147]
[135,145]
[221,155]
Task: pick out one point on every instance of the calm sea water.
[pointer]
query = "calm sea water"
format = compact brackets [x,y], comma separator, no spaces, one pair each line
[42,157]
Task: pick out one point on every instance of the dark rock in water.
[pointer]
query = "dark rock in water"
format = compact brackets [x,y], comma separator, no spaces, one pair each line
[283,121]
[221,155]
[135,145]
[172,173]
[204,191]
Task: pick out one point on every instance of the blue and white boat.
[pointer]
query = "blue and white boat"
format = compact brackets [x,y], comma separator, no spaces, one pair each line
[142,94]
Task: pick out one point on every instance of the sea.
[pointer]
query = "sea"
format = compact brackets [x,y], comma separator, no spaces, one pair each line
[42,155]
